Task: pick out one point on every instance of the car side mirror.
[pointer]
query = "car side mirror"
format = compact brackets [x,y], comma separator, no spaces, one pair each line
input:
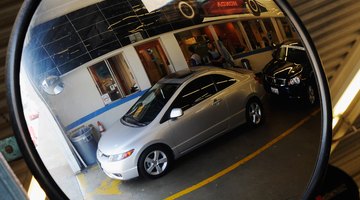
[175,113]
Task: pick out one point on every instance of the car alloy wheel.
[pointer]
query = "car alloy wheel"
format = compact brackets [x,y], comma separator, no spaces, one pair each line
[254,113]
[154,162]
[186,10]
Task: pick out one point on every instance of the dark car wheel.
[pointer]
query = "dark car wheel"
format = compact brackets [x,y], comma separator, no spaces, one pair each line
[254,7]
[189,10]
[186,10]
[154,162]
[254,113]
[311,94]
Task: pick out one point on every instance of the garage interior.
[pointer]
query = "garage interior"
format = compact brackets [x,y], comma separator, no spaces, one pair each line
[339,60]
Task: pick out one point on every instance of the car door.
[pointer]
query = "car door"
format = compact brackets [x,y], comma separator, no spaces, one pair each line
[204,114]
[233,92]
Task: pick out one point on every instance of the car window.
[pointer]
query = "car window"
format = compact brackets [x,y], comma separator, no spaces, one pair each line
[222,81]
[297,56]
[150,104]
[293,54]
[195,92]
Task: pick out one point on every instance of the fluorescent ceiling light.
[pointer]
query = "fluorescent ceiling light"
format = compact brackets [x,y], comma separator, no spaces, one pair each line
[152,5]
[35,192]
[345,100]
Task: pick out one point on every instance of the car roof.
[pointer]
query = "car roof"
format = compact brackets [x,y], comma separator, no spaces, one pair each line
[294,44]
[181,76]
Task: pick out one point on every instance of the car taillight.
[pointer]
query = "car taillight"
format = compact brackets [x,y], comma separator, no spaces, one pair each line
[258,77]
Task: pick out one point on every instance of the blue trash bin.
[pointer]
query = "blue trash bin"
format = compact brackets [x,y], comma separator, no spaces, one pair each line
[86,145]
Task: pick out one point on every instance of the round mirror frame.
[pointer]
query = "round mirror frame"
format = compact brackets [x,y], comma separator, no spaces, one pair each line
[33,159]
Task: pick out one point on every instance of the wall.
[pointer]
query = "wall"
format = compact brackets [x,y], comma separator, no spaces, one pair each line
[172,48]
[47,133]
[134,62]
[257,61]
[70,105]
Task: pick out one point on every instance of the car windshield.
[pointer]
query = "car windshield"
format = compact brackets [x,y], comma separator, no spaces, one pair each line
[294,54]
[149,105]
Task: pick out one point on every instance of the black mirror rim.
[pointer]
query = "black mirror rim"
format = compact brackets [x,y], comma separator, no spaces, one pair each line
[33,159]
[325,101]
[21,132]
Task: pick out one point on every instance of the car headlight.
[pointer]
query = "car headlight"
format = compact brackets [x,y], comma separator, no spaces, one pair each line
[120,156]
[294,80]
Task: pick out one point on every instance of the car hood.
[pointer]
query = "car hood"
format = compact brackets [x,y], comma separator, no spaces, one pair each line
[119,138]
[281,69]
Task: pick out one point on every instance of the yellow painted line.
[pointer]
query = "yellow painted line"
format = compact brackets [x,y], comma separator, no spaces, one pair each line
[107,186]
[243,161]
[82,180]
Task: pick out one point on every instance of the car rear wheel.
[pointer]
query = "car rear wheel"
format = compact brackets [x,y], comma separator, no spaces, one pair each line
[154,162]
[254,113]
[186,10]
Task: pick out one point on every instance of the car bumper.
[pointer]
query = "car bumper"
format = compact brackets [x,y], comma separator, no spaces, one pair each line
[123,170]
[295,91]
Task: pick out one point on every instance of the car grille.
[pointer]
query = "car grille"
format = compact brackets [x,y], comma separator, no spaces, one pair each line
[275,81]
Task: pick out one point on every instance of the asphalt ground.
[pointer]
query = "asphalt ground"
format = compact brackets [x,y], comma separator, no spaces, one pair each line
[274,161]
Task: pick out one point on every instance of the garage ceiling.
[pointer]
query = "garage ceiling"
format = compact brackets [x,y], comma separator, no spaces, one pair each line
[8,10]
[335,29]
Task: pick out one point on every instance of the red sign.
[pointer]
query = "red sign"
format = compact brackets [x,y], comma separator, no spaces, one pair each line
[227,3]
[223,7]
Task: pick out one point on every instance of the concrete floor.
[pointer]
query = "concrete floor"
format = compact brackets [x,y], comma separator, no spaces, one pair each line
[276,170]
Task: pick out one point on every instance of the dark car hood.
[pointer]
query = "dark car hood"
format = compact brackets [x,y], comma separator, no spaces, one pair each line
[281,69]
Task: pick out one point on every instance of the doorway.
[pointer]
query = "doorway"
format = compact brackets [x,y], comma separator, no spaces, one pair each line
[154,60]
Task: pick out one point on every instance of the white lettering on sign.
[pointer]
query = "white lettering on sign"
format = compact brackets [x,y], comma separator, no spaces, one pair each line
[227,3]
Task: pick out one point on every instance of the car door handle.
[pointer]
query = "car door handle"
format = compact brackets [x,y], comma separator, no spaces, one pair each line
[216,102]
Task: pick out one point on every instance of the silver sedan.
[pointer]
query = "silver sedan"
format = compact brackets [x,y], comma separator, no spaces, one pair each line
[178,114]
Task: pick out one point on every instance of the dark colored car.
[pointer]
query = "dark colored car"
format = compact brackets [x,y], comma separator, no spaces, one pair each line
[198,9]
[290,73]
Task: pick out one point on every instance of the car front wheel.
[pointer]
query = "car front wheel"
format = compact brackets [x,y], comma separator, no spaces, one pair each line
[154,162]
[254,7]
[254,113]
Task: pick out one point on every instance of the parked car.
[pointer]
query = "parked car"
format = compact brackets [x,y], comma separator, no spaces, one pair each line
[290,73]
[178,114]
[198,9]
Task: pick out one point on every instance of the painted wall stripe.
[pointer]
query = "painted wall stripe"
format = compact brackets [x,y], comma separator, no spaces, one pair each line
[242,161]
[104,109]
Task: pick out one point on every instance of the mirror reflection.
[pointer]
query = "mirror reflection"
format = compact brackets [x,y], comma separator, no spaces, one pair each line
[139,99]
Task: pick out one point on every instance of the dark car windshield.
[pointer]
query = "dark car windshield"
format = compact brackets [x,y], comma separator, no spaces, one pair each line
[150,104]
[294,54]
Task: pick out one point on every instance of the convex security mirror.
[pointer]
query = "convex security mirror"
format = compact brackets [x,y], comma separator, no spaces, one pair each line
[52,85]
[255,110]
